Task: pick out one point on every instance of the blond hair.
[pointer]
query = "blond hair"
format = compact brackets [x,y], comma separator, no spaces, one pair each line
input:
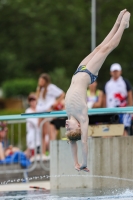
[74,135]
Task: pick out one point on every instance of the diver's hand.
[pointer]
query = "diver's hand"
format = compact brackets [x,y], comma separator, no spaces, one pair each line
[81,167]
[84,168]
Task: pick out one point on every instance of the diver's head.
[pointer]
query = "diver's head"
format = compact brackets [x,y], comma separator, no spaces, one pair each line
[73,131]
[72,124]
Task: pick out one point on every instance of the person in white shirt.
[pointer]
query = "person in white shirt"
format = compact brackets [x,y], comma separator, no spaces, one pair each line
[33,132]
[118,93]
[49,96]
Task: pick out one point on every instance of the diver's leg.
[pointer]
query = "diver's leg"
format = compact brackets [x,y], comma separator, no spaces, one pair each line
[106,40]
[96,62]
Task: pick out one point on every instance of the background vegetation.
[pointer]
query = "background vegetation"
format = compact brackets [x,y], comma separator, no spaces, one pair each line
[18,87]
[53,36]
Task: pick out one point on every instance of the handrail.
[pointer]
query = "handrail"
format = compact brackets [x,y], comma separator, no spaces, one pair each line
[41,131]
[94,111]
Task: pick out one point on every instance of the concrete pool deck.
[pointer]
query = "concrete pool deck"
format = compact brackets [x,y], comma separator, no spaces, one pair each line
[24,186]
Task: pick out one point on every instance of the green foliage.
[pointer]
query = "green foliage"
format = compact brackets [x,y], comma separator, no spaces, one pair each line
[40,36]
[18,87]
[10,112]
[58,77]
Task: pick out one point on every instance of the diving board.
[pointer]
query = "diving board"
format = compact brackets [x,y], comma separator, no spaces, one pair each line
[53,114]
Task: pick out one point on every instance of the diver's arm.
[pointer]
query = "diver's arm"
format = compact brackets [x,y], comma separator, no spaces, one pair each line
[74,150]
[84,141]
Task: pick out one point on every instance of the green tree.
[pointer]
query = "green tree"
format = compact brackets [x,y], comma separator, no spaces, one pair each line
[19,87]
[41,36]
[38,36]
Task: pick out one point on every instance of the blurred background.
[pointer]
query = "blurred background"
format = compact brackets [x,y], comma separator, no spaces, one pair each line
[53,37]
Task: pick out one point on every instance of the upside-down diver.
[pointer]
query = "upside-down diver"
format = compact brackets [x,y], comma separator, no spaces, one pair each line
[76,96]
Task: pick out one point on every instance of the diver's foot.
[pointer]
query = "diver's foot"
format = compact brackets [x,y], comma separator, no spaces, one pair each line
[119,18]
[126,19]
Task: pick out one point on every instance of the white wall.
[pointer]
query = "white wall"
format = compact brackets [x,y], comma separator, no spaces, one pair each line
[108,157]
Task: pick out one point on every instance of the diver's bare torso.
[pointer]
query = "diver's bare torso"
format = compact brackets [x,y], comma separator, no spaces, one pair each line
[75,100]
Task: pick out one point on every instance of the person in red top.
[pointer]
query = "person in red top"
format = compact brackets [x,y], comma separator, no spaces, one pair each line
[118,93]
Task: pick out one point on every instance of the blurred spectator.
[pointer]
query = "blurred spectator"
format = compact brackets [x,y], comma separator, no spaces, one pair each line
[49,97]
[33,134]
[5,148]
[118,93]
[94,96]
[48,94]
[57,123]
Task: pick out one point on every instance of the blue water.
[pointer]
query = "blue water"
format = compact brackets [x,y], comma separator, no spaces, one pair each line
[75,194]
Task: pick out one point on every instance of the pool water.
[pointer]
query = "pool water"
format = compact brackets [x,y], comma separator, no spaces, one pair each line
[75,194]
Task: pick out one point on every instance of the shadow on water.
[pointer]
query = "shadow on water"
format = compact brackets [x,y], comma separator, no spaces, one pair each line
[74,194]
